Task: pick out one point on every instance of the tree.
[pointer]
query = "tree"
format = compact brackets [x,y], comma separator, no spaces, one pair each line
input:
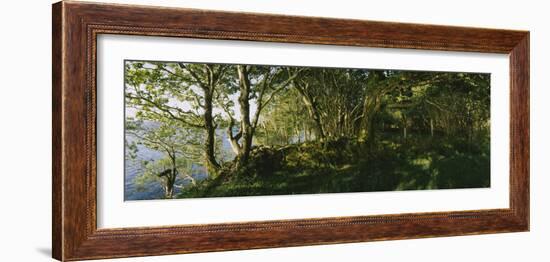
[178,146]
[457,102]
[301,119]
[253,84]
[310,92]
[284,121]
[333,98]
[177,91]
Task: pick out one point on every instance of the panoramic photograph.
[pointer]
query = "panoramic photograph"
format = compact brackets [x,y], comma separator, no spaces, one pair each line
[200,130]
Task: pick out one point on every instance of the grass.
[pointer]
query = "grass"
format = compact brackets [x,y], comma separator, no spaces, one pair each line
[346,165]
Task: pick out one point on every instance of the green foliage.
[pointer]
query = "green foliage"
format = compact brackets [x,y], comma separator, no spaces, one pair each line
[346,165]
[308,130]
[179,148]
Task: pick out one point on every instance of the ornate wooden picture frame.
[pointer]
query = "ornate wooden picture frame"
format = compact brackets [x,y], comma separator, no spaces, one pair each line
[76,26]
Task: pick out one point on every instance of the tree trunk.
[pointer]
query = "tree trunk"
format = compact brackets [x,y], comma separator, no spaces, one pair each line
[171,177]
[370,109]
[244,104]
[315,116]
[432,127]
[233,139]
[169,190]
[312,110]
[235,147]
[210,156]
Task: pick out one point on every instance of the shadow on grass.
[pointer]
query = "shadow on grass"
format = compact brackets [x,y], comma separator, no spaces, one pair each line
[347,165]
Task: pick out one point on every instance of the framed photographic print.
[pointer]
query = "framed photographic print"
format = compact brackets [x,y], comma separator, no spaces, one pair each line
[181,130]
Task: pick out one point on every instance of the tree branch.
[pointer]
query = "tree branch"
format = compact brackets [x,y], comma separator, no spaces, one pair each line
[165,108]
[195,76]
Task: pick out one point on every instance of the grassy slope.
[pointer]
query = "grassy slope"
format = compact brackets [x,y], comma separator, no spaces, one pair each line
[346,165]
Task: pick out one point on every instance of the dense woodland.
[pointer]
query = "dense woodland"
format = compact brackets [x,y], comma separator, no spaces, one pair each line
[240,130]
